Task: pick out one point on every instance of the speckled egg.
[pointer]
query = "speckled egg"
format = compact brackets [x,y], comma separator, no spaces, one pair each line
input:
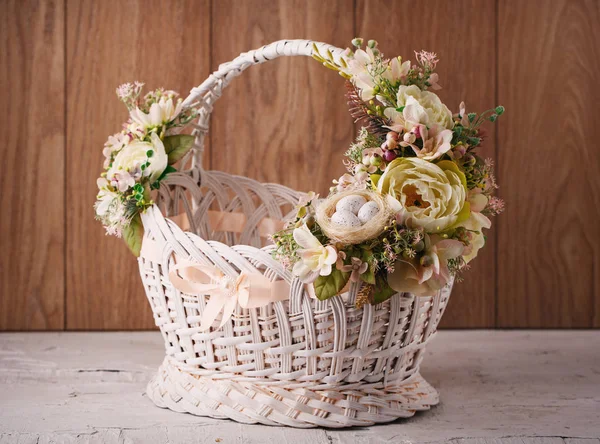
[350,203]
[368,211]
[345,218]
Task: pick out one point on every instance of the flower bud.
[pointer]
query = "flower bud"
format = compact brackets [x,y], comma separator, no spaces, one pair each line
[388,156]
[409,137]
[391,144]
[471,159]
[419,246]
[392,135]
[357,42]
[376,160]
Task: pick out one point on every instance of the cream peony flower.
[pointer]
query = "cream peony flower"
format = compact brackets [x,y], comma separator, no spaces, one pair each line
[160,113]
[430,104]
[424,279]
[127,165]
[428,195]
[315,259]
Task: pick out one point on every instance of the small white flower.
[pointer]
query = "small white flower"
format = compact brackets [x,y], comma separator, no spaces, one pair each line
[115,143]
[159,114]
[106,199]
[315,259]
[359,68]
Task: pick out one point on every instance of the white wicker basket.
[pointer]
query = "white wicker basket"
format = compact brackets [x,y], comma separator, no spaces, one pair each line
[299,362]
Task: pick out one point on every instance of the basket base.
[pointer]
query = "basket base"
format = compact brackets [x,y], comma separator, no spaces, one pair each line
[360,404]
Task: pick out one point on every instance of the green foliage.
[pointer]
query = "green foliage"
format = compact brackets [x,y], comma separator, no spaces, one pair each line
[382,290]
[178,146]
[133,235]
[168,169]
[369,275]
[363,141]
[328,286]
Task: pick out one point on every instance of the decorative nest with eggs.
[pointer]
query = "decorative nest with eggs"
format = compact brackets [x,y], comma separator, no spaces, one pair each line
[409,214]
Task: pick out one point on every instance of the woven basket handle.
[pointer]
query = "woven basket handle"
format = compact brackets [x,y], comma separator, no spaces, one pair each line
[205,95]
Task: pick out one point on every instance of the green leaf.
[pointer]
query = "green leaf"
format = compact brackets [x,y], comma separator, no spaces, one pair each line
[178,146]
[133,235]
[168,169]
[382,290]
[368,276]
[328,286]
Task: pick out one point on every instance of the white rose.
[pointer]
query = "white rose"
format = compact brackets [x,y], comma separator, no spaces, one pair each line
[432,109]
[131,158]
[428,195]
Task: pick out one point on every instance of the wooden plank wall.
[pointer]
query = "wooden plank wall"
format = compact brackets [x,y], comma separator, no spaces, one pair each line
[62,59]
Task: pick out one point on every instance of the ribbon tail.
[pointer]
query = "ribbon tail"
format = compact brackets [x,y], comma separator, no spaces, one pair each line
[228,310]
[211,311]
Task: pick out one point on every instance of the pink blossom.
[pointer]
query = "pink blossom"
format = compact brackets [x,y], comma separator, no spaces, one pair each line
[356,267]
[348,181]
[436,142]
[431,273]
[427,59]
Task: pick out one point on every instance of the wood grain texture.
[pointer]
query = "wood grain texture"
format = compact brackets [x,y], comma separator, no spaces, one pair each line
[462,33]
[32,178]
[285,121]
[549,240]
[108,43]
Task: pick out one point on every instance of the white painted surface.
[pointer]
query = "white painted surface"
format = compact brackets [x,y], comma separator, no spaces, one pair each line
[540,387]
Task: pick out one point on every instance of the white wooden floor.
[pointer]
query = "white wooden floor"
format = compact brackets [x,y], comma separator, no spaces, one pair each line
[497,387]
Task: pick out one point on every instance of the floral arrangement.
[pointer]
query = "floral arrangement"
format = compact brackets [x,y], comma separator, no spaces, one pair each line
[139,157]
[409,214]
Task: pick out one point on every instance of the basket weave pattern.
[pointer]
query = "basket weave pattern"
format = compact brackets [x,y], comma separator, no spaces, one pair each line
[300,362]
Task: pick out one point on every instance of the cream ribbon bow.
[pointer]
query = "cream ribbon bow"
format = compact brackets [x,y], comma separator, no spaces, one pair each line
[249,290]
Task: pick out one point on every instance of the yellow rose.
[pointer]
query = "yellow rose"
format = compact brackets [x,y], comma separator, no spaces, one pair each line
[428,195]
[433,111]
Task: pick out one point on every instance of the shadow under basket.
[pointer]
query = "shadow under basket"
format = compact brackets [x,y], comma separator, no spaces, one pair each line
[299,362]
